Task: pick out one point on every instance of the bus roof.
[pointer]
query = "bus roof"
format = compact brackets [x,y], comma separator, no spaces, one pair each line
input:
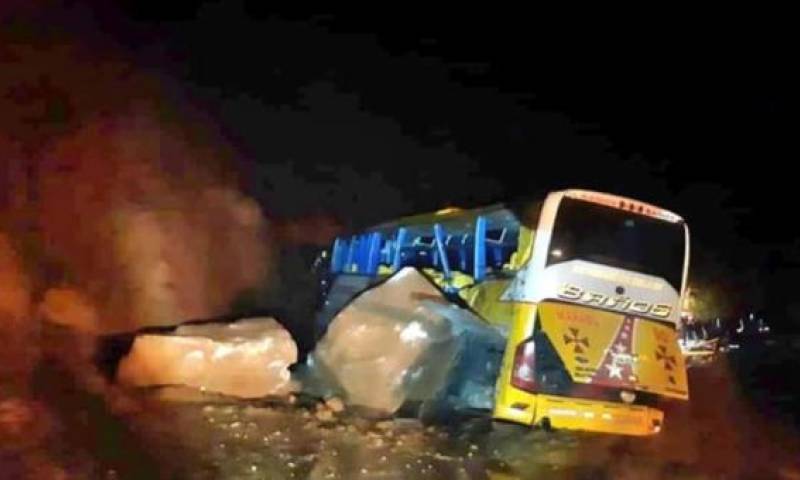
[623,203]
[455,220]
[500,215]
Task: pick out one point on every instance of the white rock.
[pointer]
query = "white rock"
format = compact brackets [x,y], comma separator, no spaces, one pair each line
[248,358]
[373,346]
[400,341]
[324,415]
[334,404]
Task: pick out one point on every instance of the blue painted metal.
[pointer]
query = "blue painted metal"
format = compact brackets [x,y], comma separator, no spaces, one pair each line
[497,249]
[387,252]
[479,264]
[402,233]
[438,233]
[351,255]
[338,255]
[463,251]
[373,254]
[363,253]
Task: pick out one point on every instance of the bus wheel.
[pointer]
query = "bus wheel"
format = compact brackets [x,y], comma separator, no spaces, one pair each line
[545,425]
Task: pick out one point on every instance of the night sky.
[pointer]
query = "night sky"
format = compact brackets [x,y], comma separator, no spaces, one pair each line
[363,117]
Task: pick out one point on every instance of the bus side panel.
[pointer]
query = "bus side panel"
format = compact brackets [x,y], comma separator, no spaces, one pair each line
[511,403]
[485,299]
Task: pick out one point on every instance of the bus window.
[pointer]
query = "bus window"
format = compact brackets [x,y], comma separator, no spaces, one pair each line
[613,237]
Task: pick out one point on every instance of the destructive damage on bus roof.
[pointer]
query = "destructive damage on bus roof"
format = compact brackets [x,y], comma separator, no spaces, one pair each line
[462,312]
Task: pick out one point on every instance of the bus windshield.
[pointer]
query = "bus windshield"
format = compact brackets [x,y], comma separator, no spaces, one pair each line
[618,238]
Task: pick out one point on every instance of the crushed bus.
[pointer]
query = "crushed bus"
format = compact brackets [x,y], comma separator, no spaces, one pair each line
[585,286]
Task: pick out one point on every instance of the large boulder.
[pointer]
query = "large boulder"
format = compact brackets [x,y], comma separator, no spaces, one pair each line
[403,341]
[249,358]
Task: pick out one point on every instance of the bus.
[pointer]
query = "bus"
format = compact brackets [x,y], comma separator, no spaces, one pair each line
[586,286]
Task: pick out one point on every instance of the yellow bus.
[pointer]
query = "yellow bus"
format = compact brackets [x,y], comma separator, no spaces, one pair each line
[586,286]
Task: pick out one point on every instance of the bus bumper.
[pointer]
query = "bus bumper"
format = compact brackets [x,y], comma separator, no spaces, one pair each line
[581,414]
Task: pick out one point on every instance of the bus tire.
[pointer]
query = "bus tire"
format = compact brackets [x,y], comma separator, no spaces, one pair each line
[545,425]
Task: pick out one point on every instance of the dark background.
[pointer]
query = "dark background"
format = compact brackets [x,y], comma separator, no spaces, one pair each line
[360,117]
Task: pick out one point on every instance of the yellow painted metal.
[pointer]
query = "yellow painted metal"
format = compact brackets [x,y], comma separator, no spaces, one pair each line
[588,339]
[596,416]
[511,403]
[519,406]
[485,300]
[524,248]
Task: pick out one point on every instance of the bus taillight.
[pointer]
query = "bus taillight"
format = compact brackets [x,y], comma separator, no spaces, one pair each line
[523,373]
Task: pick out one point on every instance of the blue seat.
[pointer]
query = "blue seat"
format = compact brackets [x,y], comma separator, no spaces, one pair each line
[500,245]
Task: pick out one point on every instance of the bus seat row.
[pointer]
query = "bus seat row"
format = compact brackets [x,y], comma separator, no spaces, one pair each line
[471,252]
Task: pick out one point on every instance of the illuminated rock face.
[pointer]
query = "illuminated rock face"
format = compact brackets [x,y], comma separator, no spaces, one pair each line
[148,224]
[18,353]
[69,307]
[249,359]
[14,285]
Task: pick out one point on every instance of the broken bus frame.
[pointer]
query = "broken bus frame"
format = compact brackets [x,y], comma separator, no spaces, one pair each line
[586,286]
